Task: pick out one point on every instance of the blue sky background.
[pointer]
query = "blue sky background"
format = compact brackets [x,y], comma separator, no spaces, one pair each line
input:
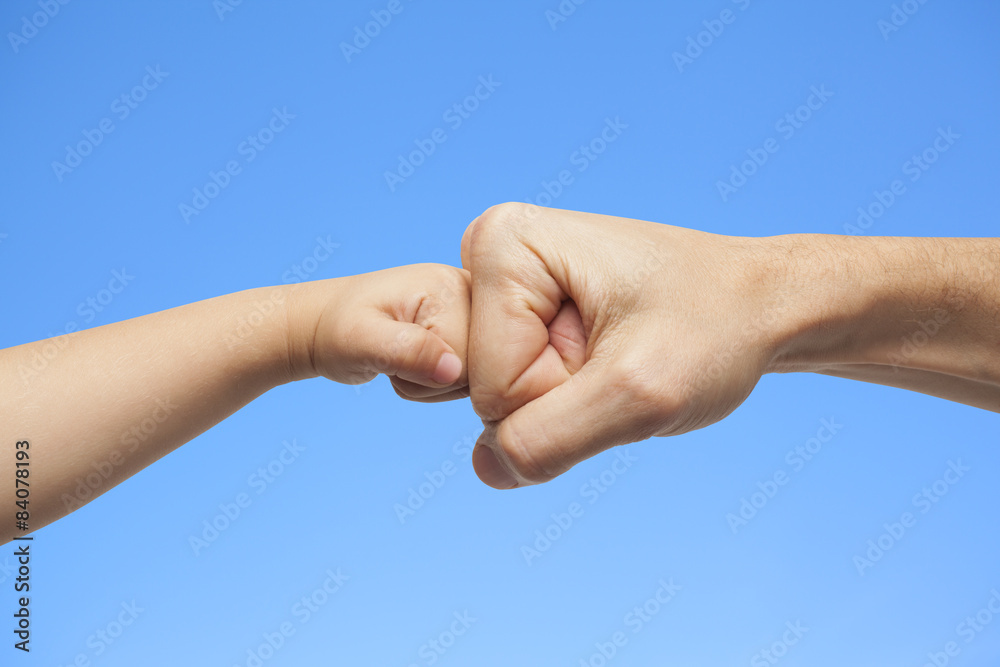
[323,176]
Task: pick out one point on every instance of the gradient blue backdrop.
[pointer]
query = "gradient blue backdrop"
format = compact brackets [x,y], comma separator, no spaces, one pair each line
[322,176]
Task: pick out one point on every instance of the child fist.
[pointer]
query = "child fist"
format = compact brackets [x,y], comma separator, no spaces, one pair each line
[410,323]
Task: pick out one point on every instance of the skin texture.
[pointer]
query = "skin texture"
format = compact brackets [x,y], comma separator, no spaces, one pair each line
[99,405]
[590,331]
[580,332]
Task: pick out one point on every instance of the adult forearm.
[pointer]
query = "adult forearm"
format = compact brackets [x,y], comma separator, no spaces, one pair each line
[672,328]
[99,405]
[920,314]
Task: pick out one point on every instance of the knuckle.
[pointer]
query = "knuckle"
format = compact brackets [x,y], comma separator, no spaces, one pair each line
[453,291]
[487,404]
[507,213]
[357,376]
[401,391]
[633,380]
[531,460]
[498,223]
[644,392]
[408,390]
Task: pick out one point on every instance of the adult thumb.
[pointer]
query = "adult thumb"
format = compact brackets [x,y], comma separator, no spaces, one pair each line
[585,415]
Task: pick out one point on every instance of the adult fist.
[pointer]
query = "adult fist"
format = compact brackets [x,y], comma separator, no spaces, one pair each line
[589,331]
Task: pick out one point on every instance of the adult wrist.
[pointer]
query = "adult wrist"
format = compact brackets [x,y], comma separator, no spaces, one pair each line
[856,301]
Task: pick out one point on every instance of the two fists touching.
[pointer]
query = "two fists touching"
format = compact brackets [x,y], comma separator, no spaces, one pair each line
[578,332]
[573,332]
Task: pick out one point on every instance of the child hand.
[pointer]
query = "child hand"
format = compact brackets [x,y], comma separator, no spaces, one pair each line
[410,323]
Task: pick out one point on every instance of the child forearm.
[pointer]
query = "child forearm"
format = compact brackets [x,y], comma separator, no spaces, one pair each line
[83,412]
[97,406]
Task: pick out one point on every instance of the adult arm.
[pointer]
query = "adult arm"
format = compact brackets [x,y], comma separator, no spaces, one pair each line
[590,331]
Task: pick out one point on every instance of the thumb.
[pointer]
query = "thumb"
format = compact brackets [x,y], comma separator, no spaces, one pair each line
[585,415]
[412,353]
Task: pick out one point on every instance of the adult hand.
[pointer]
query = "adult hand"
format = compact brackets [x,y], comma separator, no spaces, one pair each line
[589,331]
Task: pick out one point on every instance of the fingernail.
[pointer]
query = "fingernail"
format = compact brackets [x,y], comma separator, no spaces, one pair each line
[490,470]
[449,368]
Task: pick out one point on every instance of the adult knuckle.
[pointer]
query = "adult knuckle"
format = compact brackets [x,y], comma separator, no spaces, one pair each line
[529,457]
[633,381]
[644,392]
[487,403]
[530,471]
[499,223]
